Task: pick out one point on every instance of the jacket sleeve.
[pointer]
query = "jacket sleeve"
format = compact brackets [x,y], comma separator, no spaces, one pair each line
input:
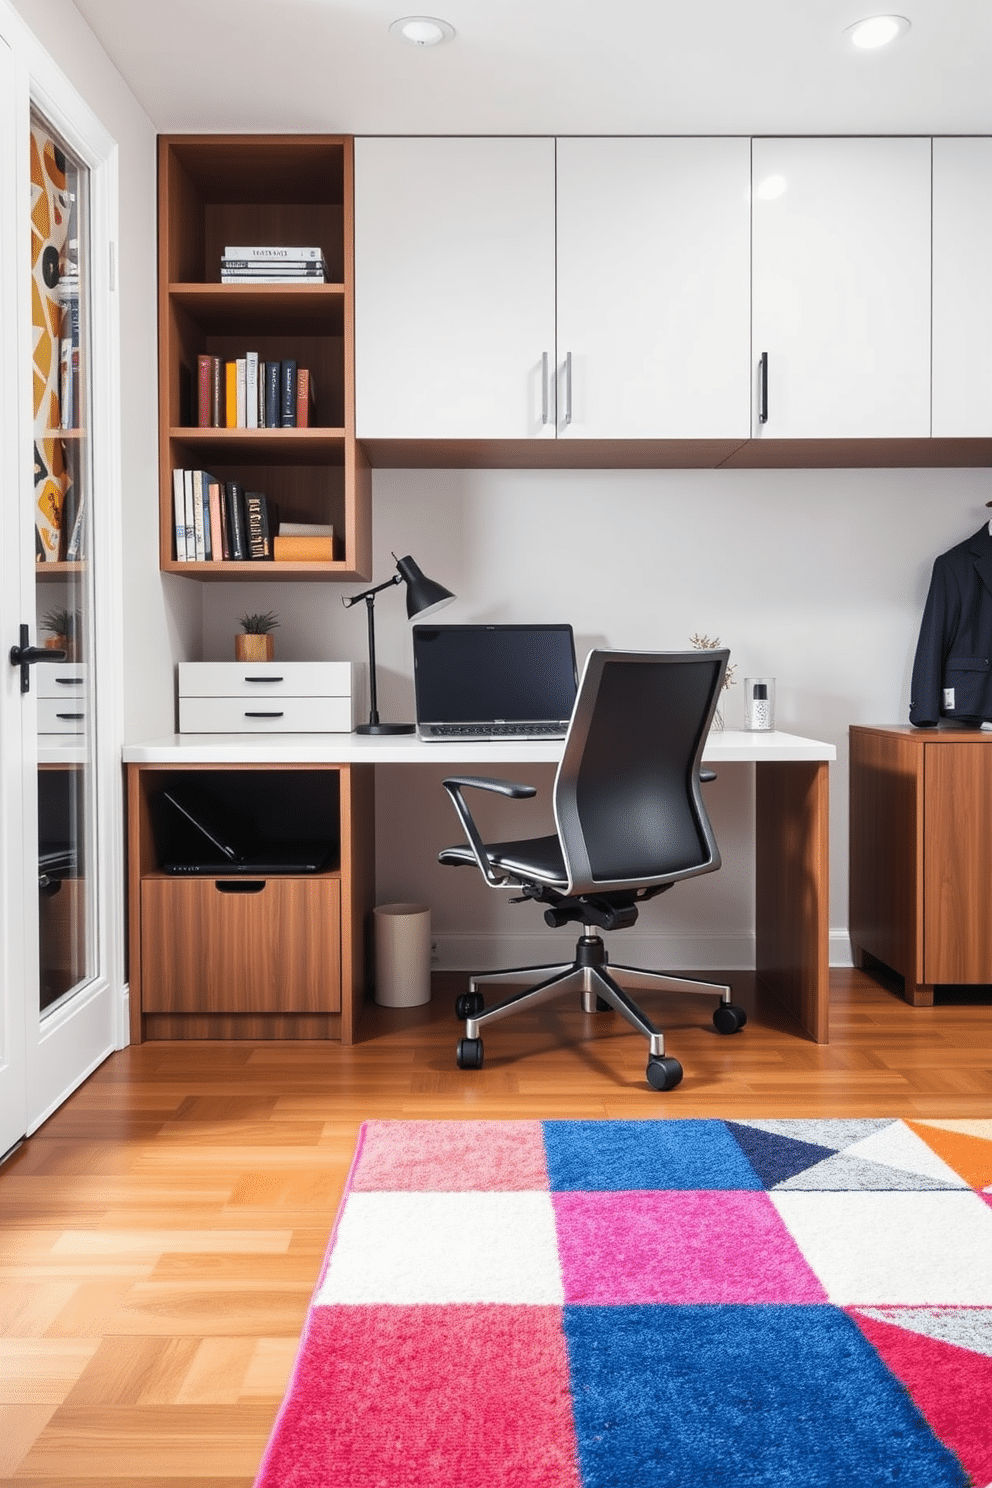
[940,621]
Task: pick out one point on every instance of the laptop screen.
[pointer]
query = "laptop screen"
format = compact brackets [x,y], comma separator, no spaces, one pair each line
[493,673]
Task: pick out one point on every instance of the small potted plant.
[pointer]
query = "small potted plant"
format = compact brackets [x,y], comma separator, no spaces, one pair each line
[63,627]
[255,643]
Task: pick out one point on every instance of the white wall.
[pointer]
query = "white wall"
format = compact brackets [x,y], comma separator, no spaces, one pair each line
[161,613]
[816,577]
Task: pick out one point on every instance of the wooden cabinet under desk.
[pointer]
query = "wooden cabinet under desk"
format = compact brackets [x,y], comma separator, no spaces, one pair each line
[251,955]
[921,855]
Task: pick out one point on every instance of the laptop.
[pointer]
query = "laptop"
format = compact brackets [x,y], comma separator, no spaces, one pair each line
[478,682]
[202,839]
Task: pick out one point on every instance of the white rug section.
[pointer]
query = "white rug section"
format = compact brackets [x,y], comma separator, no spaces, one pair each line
[445,1247]
[895,1249]
[899,1147]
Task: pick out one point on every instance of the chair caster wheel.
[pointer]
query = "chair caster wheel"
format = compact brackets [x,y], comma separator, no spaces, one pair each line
[469,1054]
[469,1005]
[729,1018]
[664,1073]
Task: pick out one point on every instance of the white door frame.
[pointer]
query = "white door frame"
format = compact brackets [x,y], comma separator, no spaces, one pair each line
[69,1043]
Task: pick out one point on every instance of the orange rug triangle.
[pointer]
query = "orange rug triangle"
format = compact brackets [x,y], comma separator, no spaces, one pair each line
[971,1157]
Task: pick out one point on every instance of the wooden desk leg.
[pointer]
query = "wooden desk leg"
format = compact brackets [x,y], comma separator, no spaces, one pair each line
[792,888]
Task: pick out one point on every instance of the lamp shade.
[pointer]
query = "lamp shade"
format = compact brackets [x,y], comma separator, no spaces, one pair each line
[423,595]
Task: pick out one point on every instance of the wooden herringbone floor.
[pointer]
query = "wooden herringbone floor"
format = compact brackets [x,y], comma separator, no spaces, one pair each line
[161,1235]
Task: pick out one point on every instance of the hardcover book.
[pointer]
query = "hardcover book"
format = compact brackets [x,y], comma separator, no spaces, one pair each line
[235,498]
[287,405]
[273,394]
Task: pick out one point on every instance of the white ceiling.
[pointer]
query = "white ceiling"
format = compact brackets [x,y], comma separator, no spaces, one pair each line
[551,66]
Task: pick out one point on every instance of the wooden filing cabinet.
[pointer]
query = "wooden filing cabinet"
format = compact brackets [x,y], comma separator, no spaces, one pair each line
[921,855]
[246,956]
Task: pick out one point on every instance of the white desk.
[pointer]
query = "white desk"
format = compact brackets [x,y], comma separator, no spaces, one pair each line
[791,846]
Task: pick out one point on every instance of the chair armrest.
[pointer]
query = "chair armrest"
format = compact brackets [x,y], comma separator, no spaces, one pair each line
[485,782]
[454,786]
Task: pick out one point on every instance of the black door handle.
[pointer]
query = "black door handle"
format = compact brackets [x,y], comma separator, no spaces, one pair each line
[25,656]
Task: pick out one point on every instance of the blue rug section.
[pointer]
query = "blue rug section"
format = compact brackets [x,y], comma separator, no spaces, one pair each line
[742,1397]
[616,1156]
[774,1157]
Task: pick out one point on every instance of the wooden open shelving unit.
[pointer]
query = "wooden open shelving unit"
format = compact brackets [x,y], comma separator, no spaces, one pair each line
[269,189]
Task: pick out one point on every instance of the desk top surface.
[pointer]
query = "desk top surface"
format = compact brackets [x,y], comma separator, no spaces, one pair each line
[728,745]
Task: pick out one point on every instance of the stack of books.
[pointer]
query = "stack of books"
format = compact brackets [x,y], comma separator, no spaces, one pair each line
[272,265]
[245,392]
[218,520]
[303,542]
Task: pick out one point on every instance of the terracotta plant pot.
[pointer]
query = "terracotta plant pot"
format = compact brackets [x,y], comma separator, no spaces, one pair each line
[62,643]
[253,647]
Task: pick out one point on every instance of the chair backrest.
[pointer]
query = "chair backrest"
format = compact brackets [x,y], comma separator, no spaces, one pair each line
[627,797]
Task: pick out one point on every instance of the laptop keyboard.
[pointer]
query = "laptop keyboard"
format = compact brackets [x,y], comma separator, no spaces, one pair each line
[497,730]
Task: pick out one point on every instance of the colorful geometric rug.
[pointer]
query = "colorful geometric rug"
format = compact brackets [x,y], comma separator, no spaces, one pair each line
[636,1304]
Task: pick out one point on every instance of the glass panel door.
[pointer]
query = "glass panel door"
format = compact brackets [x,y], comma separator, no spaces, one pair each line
[62,497]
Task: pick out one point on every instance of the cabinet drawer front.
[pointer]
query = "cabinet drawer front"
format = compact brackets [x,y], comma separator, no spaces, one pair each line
[265,715]
[265,679]
[63,679]
[210,949]
[62,715]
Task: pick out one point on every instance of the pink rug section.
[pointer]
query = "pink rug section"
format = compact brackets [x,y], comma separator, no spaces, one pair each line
[422,1397]
[679,1247]
[951,1387]
[451,1157]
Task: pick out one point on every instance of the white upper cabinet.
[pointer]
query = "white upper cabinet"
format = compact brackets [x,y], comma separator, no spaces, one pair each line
[962,287]
[841,287]
[653,288]
[454,288]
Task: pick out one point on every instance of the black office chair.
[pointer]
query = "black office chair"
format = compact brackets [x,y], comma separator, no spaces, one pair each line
[630,823]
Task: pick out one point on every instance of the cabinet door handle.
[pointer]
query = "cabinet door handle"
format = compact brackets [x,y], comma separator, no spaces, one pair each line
[763,389]
[262,715]
[264,679]
[545,396]
[568,387]
[69,681]
[70,715]
[239,885]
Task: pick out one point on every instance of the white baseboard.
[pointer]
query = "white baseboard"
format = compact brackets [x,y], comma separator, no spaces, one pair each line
[468,952]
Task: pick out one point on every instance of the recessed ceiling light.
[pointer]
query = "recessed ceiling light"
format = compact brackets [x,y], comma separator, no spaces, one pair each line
[422,31]
[877,31]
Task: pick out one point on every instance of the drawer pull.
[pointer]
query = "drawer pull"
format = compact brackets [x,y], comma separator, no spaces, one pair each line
[70,715]
[264,679]
[69,681]
[239,885]
[263,715]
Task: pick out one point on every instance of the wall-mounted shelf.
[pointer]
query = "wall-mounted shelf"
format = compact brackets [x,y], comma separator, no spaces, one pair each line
[215,190]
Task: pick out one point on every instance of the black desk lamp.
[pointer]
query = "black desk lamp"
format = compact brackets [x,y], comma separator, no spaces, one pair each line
[423,597]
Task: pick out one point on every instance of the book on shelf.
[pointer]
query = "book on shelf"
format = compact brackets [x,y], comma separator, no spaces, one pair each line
[205,407]
[273,252]
[231,394]
[287,397]
[274,276]
[217,407]
[273,394]
[241,389]
[304,398]
[306,529]
[69,353]
[216,525]
[251,389]
[235,503]
[190,523]
[179,513]
[203,538]
[302,549]
[261,519]
[75,548]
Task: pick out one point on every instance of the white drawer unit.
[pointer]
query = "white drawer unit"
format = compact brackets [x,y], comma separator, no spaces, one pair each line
[63,696]
[268,697]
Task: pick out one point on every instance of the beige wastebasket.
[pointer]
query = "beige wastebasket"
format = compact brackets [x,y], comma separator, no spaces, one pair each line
[402,954]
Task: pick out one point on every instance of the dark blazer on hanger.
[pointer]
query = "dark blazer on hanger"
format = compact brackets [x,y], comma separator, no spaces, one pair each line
[952,675]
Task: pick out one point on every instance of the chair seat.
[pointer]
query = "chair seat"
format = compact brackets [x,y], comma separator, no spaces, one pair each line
[535,859]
